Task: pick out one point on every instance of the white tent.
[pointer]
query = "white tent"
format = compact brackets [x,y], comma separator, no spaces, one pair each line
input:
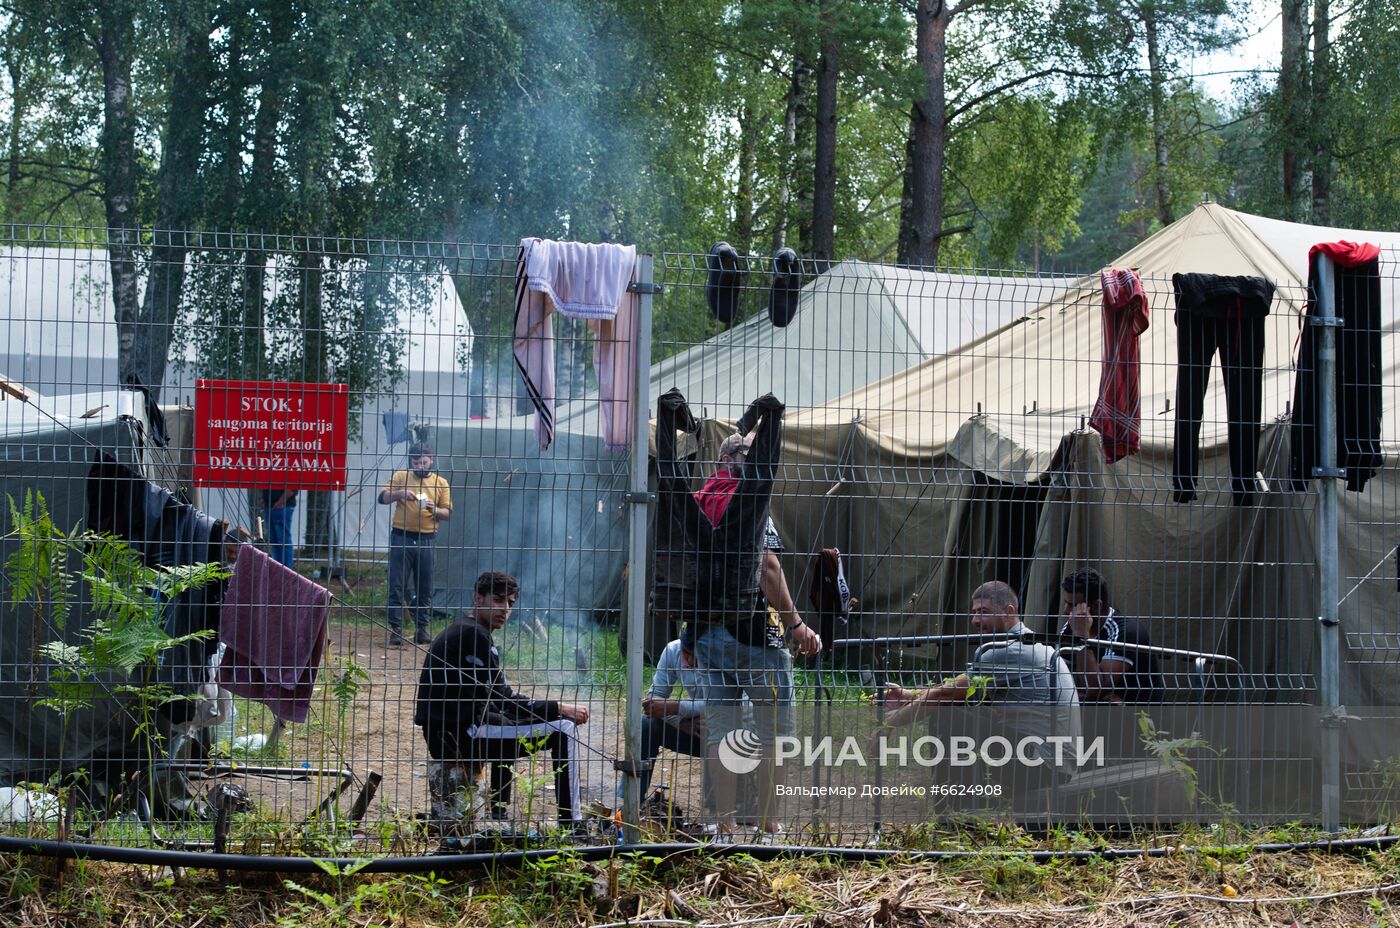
[856,324]
[60,338]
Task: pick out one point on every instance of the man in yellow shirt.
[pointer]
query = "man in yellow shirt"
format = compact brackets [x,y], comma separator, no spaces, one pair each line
[421,500]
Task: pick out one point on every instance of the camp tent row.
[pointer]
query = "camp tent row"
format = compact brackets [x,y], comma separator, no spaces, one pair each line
[936,434]
[933,418]
[977,465]
[557,520]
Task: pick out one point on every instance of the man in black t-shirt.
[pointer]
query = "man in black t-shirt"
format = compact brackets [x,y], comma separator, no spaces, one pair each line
[472,717]
[1109,671]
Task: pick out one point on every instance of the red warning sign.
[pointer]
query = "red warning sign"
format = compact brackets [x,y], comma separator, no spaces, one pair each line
[266,434]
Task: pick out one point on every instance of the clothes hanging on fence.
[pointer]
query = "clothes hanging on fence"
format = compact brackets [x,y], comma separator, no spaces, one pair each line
[166,532]
[830,595]
[723,588]
[1356,295]
[1117,415]
[581,281]
[274,624]
[1224,314]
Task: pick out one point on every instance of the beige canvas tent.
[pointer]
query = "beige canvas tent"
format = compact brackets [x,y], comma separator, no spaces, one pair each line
[978,465]
[856,324]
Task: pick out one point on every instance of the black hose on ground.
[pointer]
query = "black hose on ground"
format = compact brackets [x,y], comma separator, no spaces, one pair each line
[593,853]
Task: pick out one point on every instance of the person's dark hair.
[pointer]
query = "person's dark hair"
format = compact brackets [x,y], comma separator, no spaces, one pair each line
[1090,584]
[998,593]
[495,583]
[418,449]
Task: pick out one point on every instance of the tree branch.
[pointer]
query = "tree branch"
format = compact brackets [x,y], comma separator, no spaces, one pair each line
[964,7]
[81,168]
[958,110]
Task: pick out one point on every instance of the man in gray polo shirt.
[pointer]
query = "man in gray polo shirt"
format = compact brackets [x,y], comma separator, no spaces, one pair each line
[1028,687]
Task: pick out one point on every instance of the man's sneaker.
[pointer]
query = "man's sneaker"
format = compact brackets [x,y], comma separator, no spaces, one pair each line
[422,637]
[396,638]
[777,836]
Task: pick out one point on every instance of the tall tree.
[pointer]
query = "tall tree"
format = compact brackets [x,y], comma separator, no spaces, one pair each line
[115,41]
[824,157]
[187,28]
[971,57]
[1293,103]
[921,211]
[1164,33]
[1320,155]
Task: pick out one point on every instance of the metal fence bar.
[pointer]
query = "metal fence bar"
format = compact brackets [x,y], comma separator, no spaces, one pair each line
[639,513]
[1328,566]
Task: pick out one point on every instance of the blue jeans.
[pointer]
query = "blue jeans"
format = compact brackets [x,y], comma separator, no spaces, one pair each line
[410,553]
[731,671]
[279,533]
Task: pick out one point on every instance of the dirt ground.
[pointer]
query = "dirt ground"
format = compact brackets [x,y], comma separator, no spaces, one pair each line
[376,733]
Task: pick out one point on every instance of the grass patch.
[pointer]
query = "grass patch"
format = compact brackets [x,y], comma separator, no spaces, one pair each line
[985,889]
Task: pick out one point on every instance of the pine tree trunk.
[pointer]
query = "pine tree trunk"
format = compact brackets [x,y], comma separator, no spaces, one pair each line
[176,206]
[1320,123]
[119,177]
[824,173]
[253,360]
[1161,167]
[794,105]
[1293,96]
[921,212]
[748,179]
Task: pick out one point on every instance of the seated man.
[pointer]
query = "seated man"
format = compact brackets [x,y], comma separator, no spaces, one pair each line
[677,724]
[1106,672]
[1028,681]
[472,718]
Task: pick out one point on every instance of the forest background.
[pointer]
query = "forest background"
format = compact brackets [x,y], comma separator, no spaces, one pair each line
[972,133]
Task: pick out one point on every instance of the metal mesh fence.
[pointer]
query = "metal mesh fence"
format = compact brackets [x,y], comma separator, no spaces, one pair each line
[388,420]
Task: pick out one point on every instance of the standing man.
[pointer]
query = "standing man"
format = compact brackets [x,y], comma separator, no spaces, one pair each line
[421,500]
[1106,671]
[472,718]
[279,509]
[739,646]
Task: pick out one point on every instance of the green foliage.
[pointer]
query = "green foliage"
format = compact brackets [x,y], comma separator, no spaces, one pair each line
[671,124]
[38,571]
[1362,118]
[1176,753]
[122,633]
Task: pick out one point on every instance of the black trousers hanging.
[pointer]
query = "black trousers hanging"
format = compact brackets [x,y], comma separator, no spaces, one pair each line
[1357,302]
[1240,343]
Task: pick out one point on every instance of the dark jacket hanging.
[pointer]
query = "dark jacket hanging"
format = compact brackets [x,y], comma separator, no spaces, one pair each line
[726,557]
[1356,296]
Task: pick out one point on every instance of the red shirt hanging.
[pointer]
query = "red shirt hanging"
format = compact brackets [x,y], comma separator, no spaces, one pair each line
[1117,414]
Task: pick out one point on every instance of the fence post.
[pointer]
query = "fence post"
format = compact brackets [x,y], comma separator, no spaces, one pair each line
[1328,568]
[635,609]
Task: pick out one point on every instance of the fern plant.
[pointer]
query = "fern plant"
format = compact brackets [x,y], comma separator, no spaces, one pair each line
[122,639]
